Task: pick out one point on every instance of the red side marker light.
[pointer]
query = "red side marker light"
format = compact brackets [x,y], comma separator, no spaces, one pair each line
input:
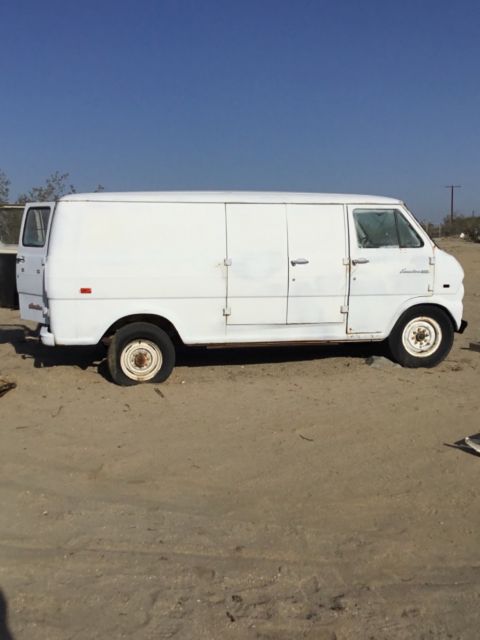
[85,290]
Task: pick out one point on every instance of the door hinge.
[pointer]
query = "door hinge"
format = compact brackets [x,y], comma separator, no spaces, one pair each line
[227,262]
[431,260]
[346,261]
[227,311]
[344,308]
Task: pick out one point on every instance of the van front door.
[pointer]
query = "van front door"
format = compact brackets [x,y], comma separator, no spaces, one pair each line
[390,263]
[318,263]
[32,252]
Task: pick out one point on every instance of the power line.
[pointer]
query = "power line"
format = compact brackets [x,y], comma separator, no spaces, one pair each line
[452,187]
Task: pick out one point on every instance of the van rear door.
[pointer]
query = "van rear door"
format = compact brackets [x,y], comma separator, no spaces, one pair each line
[31,258]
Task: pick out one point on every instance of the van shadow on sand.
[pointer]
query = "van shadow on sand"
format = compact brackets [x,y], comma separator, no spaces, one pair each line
[26,343]
[5,633]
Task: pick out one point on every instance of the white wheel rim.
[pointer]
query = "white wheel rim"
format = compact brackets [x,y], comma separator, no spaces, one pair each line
[422,337]
[141,360]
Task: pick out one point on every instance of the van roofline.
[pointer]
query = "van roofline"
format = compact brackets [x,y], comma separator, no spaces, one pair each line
[257,197]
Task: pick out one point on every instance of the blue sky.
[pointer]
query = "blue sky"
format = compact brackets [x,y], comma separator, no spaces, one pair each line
[369,96]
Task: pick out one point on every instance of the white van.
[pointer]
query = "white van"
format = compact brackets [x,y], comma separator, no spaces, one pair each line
[146,271]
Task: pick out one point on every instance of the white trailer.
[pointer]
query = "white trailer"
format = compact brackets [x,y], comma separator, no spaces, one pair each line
[144,271]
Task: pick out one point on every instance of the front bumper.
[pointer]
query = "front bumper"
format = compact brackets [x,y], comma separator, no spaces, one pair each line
[463,326]
[46,337]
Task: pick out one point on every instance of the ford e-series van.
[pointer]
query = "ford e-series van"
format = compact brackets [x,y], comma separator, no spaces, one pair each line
[147,271]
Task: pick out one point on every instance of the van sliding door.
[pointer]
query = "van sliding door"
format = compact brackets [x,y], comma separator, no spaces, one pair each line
[318,264]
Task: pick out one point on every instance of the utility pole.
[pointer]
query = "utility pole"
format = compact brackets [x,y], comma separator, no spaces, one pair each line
[452,187]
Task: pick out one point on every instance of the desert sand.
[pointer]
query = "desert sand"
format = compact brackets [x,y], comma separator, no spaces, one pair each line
[262,493]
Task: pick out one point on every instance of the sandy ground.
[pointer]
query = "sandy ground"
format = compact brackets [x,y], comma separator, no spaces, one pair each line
[271,494]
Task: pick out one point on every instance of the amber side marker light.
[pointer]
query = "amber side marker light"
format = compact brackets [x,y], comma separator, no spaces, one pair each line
[85,290]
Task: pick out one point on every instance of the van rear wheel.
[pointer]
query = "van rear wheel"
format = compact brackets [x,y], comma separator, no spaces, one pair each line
[422,337]
[140,352]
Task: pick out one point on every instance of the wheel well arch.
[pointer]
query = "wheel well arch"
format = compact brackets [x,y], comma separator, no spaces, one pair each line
[158,321]
[433,305]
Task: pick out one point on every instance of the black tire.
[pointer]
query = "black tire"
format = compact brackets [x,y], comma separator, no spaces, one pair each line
[422,337]
[140,352]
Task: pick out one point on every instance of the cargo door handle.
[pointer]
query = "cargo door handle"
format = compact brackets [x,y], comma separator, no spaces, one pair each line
[298,261]
[20,259]
[360,261]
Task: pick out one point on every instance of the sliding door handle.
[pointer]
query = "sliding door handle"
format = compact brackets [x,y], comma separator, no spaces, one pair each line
[360,261]
[298,261]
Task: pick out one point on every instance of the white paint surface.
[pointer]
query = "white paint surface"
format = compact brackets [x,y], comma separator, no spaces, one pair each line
[218,267]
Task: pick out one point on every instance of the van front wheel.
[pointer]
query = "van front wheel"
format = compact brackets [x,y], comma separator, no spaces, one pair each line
[140,352]
[422,337]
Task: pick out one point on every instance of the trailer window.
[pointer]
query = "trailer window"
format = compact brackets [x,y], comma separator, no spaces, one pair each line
[10,223]
[36,224]
[378,228]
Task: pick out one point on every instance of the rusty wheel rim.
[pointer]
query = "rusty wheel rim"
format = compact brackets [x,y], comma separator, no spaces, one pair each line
[141,360]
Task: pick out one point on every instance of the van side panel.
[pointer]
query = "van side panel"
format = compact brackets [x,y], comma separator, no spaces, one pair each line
[83,322]
[160,258]
[168,259]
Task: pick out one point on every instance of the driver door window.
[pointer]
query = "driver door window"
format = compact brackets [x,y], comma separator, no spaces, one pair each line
[384,228]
